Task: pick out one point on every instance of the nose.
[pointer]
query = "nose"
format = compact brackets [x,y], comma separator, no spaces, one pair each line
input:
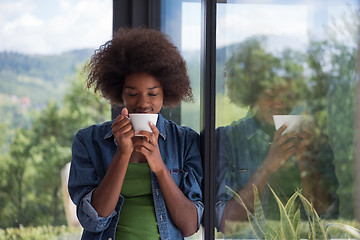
[278,105]
[142,102]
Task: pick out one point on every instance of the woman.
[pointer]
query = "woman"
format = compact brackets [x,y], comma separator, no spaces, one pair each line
[128,187]
[252,153]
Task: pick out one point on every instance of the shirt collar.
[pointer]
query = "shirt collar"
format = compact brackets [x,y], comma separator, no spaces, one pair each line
[252,126]
[160,124]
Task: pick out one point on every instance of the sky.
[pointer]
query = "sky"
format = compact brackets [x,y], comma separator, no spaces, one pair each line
[54,26]
[240,19]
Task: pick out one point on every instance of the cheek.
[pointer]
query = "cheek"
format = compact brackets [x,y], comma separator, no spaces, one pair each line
[128,102]
[161,99]
[159,103]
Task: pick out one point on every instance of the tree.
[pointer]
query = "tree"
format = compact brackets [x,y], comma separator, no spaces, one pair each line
[16,185]
[37,155]
[333,69]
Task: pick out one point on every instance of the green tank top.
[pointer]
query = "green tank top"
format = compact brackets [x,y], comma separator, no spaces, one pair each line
[137,216]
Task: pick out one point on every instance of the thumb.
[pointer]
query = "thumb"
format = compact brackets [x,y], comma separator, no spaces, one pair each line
[125,112]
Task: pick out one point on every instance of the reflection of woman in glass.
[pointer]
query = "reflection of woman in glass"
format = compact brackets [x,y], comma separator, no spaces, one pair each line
[251,152]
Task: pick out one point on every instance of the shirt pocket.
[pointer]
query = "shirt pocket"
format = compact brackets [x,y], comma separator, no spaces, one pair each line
[177,175]
[239,178]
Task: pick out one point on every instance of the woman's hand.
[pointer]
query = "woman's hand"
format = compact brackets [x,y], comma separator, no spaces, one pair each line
[106,194]
[148,146]
[123,132]
[282,147]
[307,137]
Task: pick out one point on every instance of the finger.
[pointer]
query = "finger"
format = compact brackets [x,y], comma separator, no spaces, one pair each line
[143,141]
[289,144]
[129,134]
[144,134]
[287,137]
[120,121]
[117,120]
[144,152]
[154,128]
[279,132]
[289,152]
[117,131]
[142,149]
[305,134]
[123,126]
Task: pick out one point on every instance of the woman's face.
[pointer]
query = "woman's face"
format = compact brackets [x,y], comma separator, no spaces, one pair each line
[274,101]
[142,93]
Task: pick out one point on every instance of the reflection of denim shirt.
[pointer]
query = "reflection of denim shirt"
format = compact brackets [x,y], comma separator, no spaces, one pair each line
[242,147]
[93,149]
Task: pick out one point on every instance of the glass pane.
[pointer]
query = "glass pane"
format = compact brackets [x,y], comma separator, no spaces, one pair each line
[43,102]
[181,20]
[286,78]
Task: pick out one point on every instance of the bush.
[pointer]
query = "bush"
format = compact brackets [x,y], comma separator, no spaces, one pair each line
[41,233]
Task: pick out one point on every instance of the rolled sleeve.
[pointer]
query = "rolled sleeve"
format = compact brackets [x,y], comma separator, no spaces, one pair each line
[200,211]
[83,180]
[89,218]
[194,175]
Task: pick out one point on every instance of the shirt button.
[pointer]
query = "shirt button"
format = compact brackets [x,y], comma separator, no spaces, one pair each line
[109,238]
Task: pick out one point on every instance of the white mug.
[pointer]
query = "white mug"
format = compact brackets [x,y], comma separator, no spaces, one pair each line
[140,121]
[293,122]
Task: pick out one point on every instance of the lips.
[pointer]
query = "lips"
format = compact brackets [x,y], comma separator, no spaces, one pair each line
[143,110]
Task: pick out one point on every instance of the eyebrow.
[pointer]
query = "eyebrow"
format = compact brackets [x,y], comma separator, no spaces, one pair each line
[148,88]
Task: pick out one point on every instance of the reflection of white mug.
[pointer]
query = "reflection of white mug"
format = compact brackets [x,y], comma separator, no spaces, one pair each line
[140,121]
[293,122]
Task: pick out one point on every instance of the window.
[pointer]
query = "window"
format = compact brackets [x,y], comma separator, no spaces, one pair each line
[279,57]
[252,64]
[43,104]
[294,58]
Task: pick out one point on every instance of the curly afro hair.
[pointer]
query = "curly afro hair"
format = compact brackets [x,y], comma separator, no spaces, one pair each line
[139,50]
[251,70]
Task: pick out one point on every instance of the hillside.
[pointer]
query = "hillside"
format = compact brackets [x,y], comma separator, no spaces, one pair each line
[28,82]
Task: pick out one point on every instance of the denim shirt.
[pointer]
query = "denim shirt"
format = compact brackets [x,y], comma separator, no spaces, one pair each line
[92,151]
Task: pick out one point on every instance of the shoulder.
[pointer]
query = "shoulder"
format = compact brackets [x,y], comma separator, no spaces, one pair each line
[237,125]
[179,135]
[174,128]
[95,130]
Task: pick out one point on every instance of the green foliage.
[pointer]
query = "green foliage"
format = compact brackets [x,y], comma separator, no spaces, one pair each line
[333,79]
[16,184]
[40,233]
[251,69]
[288,225]
[30,173]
